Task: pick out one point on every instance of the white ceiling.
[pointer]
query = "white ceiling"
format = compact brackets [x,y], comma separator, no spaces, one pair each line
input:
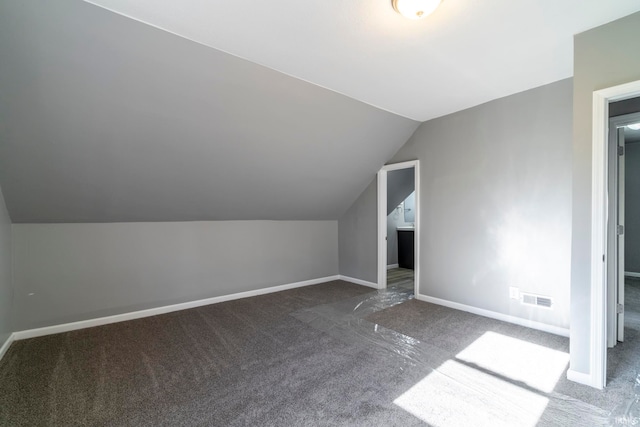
[467,53]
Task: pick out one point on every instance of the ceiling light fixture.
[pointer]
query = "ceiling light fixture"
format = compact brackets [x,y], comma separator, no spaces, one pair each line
[635,126]
[415,9]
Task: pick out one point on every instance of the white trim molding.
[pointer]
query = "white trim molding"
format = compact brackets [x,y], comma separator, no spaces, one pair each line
[392,266]
[599,210]
[631,274]
[66,327]
[359,281]
[556,330]
[6,345]
[579,377]
[382,229]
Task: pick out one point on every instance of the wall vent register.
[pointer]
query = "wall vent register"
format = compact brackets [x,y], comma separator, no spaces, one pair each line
[537,300]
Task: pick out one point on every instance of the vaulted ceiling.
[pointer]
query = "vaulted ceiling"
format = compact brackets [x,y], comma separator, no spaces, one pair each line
[468,52]
[103,118]
[207,110]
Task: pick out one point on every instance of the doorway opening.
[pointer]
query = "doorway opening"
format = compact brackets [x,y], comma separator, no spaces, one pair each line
[603,241]
[623,241]
[398,226]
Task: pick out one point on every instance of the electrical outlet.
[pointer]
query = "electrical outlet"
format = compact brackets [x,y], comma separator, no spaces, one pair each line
[514,293]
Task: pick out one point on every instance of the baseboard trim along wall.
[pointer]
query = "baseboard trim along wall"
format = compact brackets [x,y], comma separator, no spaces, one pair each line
[359,281]
[7,344]
[631,274]
[391,266]
[556,330]
[66,327]
[580,377]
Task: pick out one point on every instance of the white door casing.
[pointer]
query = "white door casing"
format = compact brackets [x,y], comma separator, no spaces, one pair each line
[596,377]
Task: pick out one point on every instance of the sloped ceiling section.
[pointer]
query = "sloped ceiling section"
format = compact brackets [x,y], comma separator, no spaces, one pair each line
[466,53]
[104,119]
[400,184]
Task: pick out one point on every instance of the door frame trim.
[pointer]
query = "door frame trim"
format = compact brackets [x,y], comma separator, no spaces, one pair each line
[382,221]
[599,234]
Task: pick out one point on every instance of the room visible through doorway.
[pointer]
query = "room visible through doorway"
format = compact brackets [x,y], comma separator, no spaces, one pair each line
[400,228]
[623,266]
[398,218]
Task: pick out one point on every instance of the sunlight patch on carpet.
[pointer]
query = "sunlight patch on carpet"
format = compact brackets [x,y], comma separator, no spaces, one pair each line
[535,365]
[459,395]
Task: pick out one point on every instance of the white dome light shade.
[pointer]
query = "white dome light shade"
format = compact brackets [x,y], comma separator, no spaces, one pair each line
[415,9]
[635,126]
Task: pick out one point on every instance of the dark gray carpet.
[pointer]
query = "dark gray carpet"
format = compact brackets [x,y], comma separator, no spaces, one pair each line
[623,361]
[245,362]
[452,331]
[329,354]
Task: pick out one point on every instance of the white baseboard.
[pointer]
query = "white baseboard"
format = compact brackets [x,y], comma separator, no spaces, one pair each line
[6,345]
[391,266]
[66,327]
[631,274]
[359,281]
[498,316]
[580,378]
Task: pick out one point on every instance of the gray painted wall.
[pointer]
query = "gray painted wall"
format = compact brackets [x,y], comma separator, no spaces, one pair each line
[632,208]
[400,183]
[106,119]
[82,271]
[497,183]
[358,234]
[495,204]
[393,220]
[601,60]
[358,227]
[6,289]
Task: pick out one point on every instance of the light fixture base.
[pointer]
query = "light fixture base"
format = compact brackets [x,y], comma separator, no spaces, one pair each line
[415,9]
